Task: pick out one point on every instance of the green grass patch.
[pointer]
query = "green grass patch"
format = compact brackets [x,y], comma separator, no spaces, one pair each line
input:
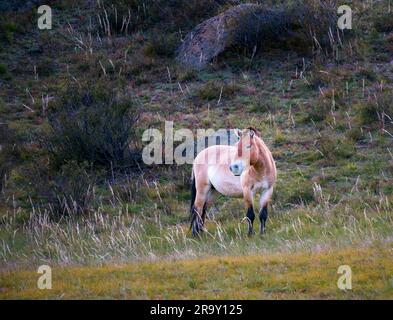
[269,276]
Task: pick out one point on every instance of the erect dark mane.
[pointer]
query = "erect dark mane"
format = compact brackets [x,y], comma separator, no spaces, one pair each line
[258,134]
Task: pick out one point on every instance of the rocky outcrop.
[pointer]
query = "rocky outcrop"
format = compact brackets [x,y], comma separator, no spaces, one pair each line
[212,36]
[255,26]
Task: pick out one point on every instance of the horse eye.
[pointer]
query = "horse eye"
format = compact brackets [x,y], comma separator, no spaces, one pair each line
[248,147]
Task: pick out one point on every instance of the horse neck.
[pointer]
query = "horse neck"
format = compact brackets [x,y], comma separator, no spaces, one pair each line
[260,165]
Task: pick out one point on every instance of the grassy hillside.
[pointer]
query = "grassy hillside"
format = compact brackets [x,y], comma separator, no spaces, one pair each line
[74,195]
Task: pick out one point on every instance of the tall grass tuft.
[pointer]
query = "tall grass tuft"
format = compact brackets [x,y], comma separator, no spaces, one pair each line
[125,16]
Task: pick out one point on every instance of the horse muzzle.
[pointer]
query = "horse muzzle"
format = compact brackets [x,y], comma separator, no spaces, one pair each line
[236,169]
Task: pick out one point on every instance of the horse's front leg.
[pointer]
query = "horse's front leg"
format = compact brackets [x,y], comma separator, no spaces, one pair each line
[248,200]
[263,218]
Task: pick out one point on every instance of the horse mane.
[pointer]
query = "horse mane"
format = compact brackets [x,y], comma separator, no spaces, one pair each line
[257,133]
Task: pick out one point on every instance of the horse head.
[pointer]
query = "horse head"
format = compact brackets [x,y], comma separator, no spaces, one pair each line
[247,150]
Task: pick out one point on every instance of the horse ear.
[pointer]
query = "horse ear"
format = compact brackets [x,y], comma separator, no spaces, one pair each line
[238,133]
[252,133]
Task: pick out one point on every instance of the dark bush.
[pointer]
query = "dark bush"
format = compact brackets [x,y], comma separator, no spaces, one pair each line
[293,26]
[261,29]
[93,124]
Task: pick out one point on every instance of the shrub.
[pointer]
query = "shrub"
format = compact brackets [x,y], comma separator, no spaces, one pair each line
[293,26]
[93,124]
[260,29]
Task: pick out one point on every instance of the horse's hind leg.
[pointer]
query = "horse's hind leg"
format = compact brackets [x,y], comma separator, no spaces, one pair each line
[199,208]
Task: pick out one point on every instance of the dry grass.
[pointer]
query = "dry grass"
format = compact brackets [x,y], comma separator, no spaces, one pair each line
[125,232]
[267,276]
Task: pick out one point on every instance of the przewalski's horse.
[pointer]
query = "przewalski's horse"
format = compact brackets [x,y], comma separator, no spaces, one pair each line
[236,171]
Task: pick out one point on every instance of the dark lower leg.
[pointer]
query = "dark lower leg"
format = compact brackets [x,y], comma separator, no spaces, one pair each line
[263,218]
[198,220]
[251,217]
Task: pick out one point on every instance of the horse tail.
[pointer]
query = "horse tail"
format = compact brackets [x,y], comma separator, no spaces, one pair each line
[193,193]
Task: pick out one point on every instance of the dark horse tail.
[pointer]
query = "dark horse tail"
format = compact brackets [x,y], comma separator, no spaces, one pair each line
[193,194]
[195,224]
[196,219]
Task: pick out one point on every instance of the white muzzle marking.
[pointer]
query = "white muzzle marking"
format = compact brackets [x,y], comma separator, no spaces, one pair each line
[236,168]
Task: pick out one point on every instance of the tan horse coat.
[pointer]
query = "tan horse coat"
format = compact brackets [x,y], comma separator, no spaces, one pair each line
[243,170]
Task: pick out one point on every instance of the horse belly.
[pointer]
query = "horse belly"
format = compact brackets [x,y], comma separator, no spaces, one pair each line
[225,182]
